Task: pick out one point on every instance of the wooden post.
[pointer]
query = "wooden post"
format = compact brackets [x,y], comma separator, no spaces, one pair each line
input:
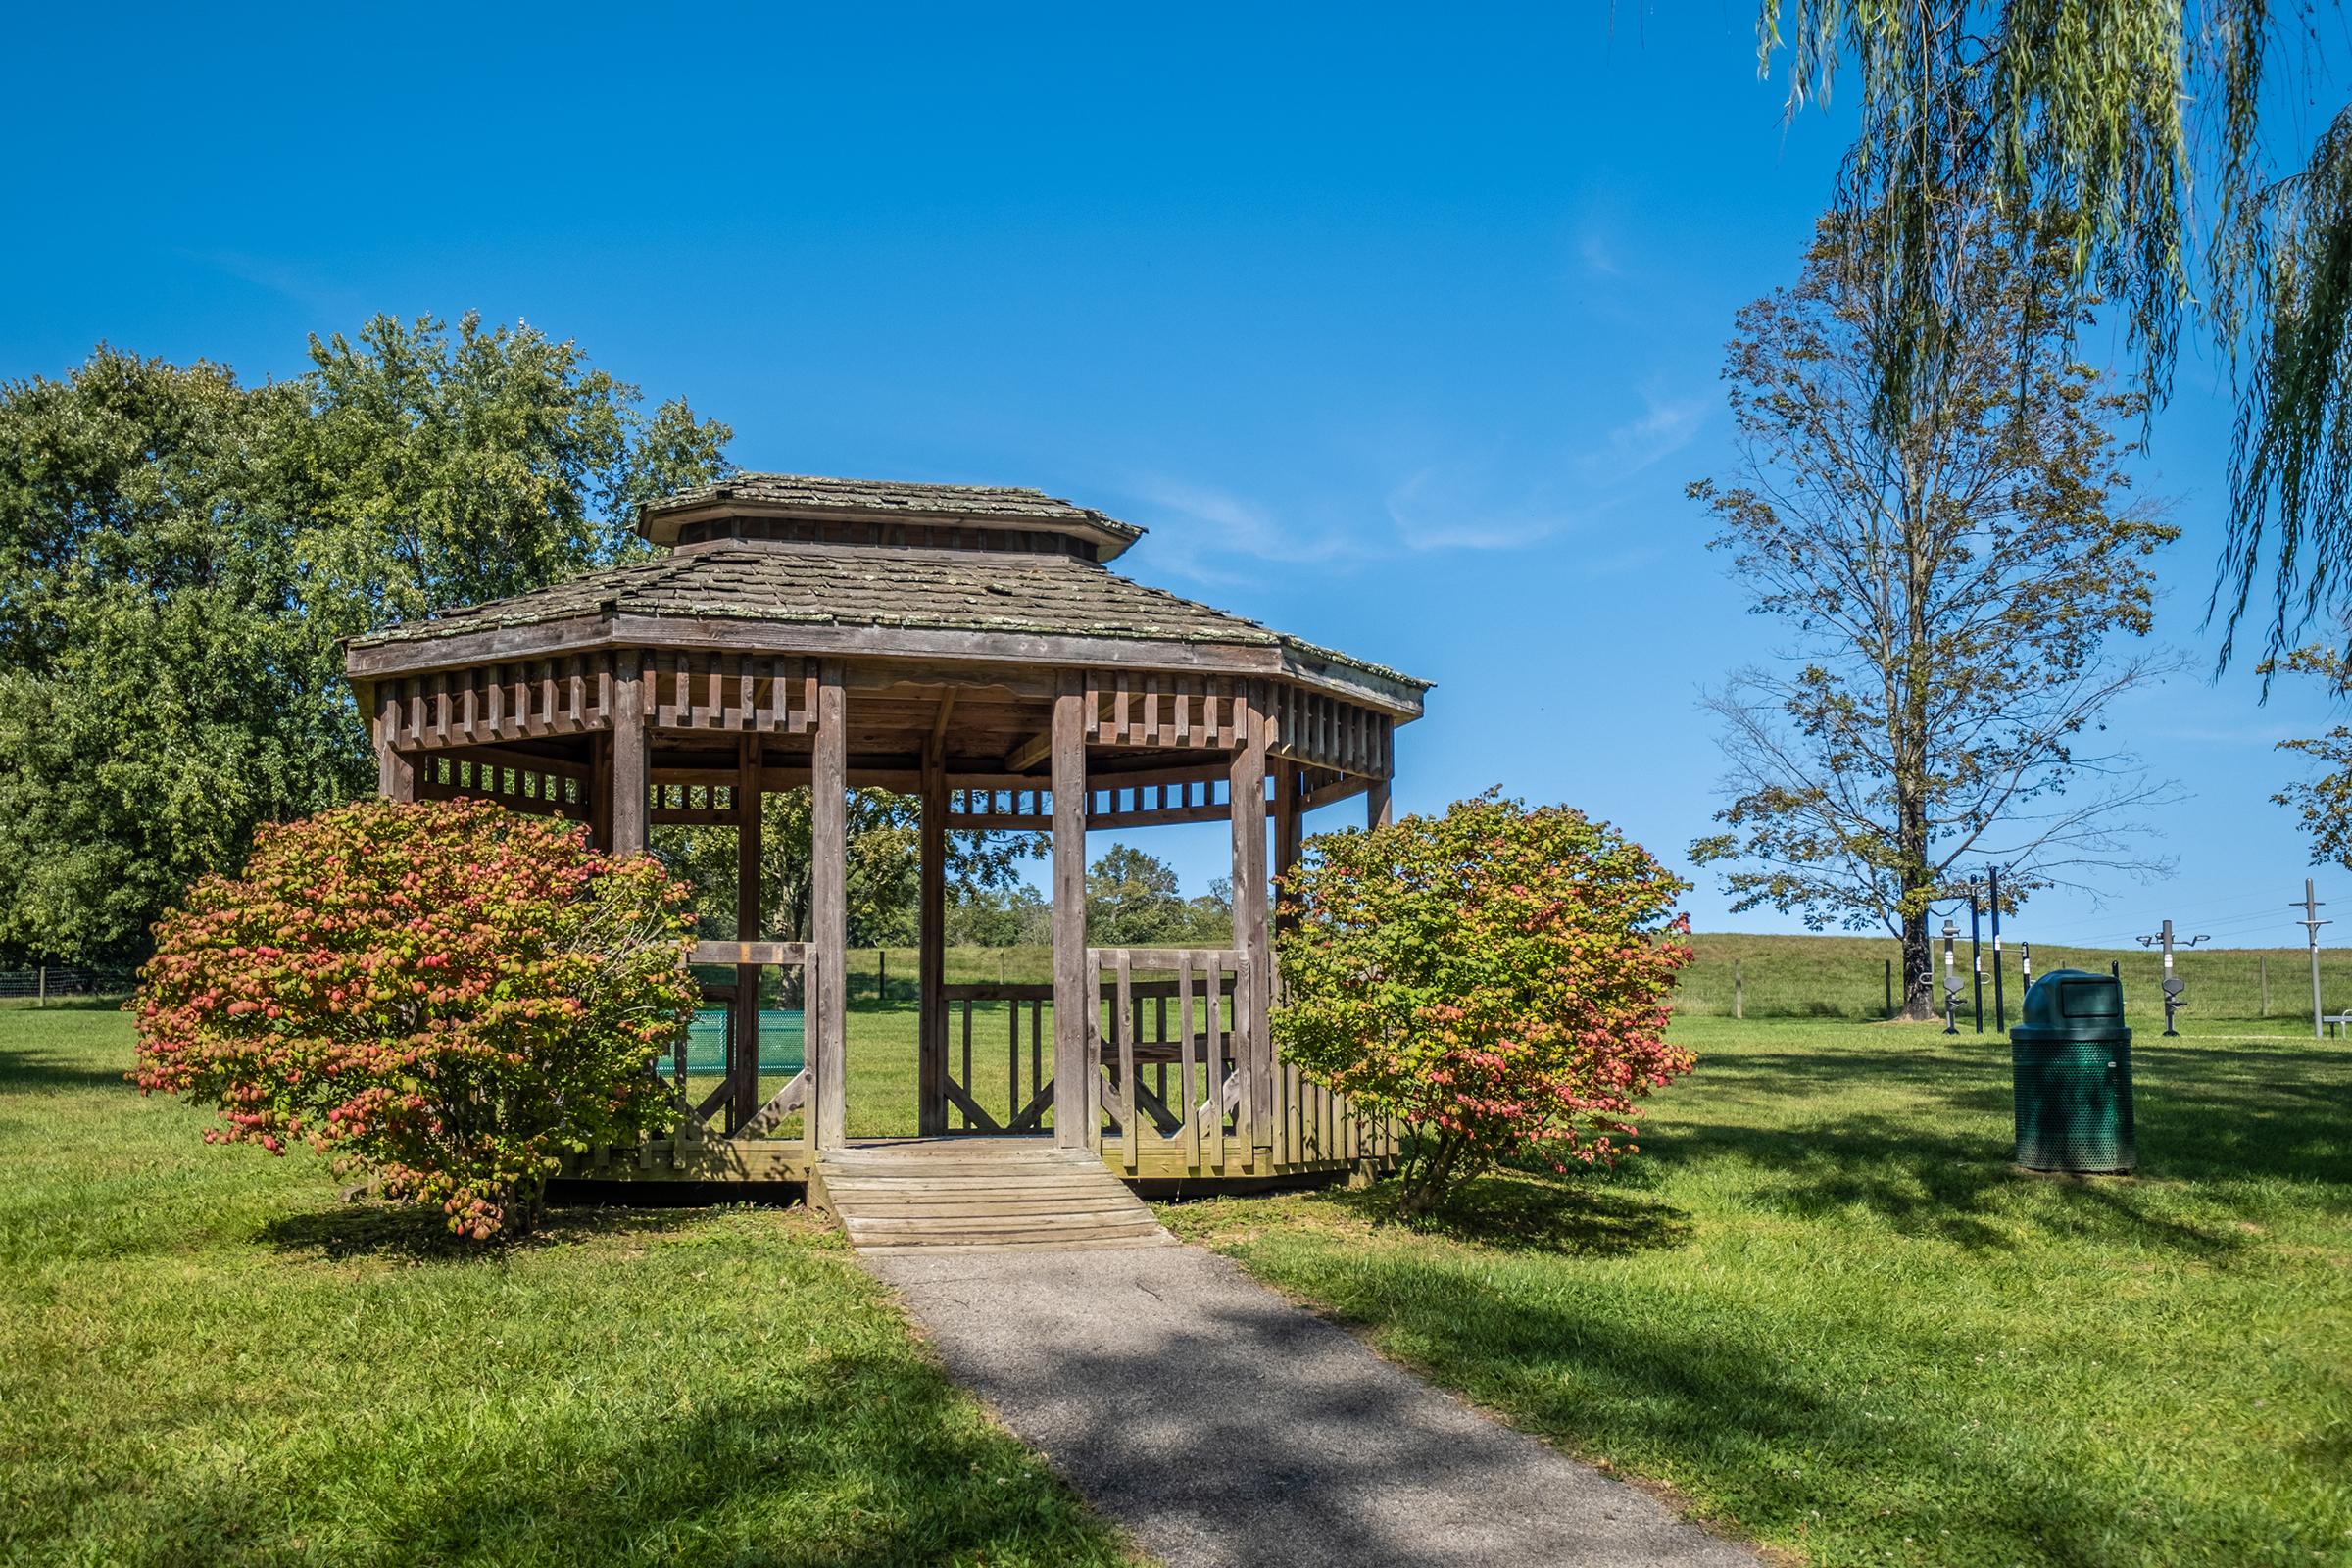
[748,925]
[829,900]
[2263,961]
[600,790]
[1290,829]
[628,774]
[1738,993]
[1075,1122]
[931,959]
[1250,1038]
[395,770]
[1378,812]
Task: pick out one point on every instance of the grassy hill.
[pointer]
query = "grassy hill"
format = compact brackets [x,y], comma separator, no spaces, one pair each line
[1846,977]
[1836,977]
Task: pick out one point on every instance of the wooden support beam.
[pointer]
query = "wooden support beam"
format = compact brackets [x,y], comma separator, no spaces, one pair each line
[395,770]
[829,915]
[628,761]
[1031,751]
[1251,1039]
[1075,1125]
[600,790]
[748,927]
[936,753]
[931,1013]
[1290,833]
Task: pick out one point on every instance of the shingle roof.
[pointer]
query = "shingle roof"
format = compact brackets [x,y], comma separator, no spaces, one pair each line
[893,498]
[843,585]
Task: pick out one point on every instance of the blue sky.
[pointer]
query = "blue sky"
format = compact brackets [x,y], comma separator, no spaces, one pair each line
[1397,333]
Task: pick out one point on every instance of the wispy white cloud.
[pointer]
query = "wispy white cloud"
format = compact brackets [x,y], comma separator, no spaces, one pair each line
[1216,524]
[1451,506]
[1665,427]
[297,284]
[1595,251]
[1419,526]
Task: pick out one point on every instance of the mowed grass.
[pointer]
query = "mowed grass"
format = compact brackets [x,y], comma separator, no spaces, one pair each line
[208,1358]
[1824,1308]
[1846,977]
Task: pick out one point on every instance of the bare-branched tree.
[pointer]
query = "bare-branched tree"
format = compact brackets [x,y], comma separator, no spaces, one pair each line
[2198,157]
[2325,802]
[1957,587]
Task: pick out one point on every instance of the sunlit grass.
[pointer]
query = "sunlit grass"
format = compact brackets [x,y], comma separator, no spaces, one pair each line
[210,1358]
[1825,1308]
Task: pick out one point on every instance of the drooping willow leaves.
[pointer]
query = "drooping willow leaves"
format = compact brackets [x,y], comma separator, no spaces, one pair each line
[2137,126]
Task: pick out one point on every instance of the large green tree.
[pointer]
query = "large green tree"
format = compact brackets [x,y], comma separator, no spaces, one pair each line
[2138,127]
[179,554]
[433,468]
[160,689]
[1953,591]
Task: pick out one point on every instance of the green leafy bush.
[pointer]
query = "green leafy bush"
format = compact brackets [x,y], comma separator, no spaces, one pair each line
[446,994]
[1496,979]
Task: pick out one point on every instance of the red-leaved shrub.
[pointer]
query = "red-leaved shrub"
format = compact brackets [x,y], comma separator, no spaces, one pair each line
[445,995]
[1494,978]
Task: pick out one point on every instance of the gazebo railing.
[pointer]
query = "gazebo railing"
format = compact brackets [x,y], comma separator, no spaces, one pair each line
[1021,1103]
[736,1104]
[1182,1015]
[1233,1105]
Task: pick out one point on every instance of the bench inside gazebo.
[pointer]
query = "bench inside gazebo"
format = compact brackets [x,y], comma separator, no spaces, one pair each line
[970,647]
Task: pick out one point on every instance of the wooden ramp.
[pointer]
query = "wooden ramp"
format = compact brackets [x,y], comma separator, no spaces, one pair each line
[981,1193]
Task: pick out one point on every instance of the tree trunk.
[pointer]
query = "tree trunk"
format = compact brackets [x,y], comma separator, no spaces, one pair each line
[1918,968]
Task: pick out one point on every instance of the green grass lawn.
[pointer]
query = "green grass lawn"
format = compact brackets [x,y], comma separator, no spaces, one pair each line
[1823,1308]
[208,1358]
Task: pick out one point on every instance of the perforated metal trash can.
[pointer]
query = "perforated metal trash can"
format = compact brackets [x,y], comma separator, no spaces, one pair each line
[2071,1061]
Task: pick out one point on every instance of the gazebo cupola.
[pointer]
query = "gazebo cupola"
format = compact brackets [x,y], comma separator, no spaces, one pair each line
[966,644]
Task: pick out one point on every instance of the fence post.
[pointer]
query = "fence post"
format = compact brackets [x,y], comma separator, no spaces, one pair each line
[1739,992]
[41,997]
[2262,963]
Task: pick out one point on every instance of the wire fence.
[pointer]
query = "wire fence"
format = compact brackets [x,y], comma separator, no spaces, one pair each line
[1860,978]
[60,984]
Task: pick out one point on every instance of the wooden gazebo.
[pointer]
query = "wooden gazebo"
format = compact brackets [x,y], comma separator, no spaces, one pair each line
[969,645]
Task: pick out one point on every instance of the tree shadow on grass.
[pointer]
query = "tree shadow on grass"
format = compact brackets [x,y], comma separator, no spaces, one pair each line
[1938,1162]
[371,1229]
[1772,1438]
[36,1069]
[860,1457]
[1525,1211]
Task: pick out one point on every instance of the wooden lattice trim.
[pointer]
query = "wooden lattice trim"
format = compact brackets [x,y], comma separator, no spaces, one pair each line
[756,693]
[1323,732]
[1133,707]
[532,785]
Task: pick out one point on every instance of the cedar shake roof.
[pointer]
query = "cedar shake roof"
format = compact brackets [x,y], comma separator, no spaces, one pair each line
[805,495]
[860,585]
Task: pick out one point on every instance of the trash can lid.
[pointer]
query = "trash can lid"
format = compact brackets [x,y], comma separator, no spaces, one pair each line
[2072,1005]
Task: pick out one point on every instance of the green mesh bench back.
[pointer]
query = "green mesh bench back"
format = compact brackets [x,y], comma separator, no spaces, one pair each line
[781,1047]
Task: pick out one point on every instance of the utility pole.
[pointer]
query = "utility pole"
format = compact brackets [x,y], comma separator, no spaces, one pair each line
[1951,982]
[1992,898]
[2311,923]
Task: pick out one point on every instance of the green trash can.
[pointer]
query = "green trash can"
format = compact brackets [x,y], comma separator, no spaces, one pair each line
[2070,1058]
